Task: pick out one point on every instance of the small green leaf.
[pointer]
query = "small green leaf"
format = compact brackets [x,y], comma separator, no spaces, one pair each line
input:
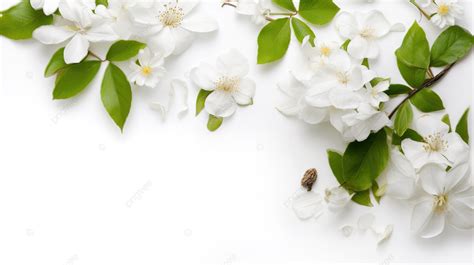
[102,2]
[463,128]
[409,134]
[287,4]
[427,101]
[364,161]
[447,120]
[75,78]
[318,12]
[375,189]
[124,50]
[201,100]
[404,118]
[452,44]
[214,123]
[301,30]
[335,162]
[397,89]
[19,22]
[273,41]
[116,94]
[362,198]
[55,64]
[415,49]
[345,44]
[415,77]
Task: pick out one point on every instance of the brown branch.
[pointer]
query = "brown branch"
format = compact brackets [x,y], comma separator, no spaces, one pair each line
[428,83]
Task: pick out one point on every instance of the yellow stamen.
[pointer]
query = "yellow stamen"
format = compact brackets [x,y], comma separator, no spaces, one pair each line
[443,9]
[326,51]
[440,203]
[146,70]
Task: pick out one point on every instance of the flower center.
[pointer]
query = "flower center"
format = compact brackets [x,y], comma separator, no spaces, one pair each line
[325,50]
[227,84]
[146,70]
[172,16]
[435,143]
[440,203]
[343,78]
[443,9]
[367,33]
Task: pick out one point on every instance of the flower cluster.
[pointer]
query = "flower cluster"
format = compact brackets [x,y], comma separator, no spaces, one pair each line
[166,27]
[335,86]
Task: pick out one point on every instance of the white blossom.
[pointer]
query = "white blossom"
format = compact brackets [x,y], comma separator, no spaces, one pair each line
[256,9]
[337,198]
[148,70]
[446,13]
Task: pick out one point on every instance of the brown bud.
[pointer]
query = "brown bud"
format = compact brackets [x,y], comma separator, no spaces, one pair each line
[309,178]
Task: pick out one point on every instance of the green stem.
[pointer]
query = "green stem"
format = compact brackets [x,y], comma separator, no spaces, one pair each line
[420,9]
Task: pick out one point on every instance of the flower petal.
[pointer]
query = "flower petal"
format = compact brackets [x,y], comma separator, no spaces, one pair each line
[457,150]
[220,104]
[233,63]
[457,178]
[376,21]
[307,205]
[200,24]
[433,178]
[50,6]
[312,115]
[427,223]
[101,33]
[183,39]
[245,93]
[346,25]
[460,215]
[415,152]
[427,125]
[163,42]
[343,99]
[358,47]
[76,49]
[204,76]
[52,34]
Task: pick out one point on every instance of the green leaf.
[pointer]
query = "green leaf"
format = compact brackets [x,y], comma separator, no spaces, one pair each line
[463,128]
[409,134]
[452,44]
[201,100]
[301,30]
[404,118]
[273,41]
[124,50]
[415,77]
[335,162]
[102,2]
[375,189]
[287,4]
[413,56]
[55,64]
[447,120]
[397,89]
[362,198]
[19,22]
[415,49]
[364,161]
[318,12]
[214,123]
[75,78]
[427,101]
[345,44]
[116,94]
[365,62]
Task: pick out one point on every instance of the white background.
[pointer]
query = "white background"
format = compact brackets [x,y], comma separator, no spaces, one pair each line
[74,190]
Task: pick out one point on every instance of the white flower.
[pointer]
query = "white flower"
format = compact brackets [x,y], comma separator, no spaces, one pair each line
[50,6]
[80,25]
[399,180]
[118,15]
[149,69]
[227,82]
[448,198]
[170,28]
[363,29]
[337,198]
[339,83]
[439,146]
[376,94]
[320,54]
[361,122]
[257,9]
[447,12]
